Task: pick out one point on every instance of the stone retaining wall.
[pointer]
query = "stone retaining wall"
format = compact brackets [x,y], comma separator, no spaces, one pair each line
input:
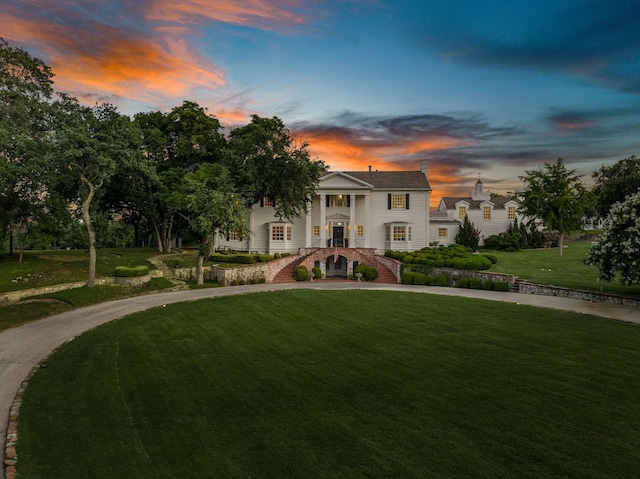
[15,296]
[454,275]
[543,290]
[225,276]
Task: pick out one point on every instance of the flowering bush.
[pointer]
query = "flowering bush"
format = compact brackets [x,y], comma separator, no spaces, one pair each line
[617,252]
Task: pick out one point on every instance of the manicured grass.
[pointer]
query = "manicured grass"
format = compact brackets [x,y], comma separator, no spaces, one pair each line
[544,266]
[37,307]
[347,384]
[44,268]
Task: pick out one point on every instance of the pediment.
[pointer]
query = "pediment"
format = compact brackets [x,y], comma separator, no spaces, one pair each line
[342,181]
[338,217]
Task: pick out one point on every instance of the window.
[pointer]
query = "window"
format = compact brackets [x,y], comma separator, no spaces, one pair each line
[388,231]
[462,212]
[486,213]
[234,236]
[316,230]
[399,233]
[360,230]
[442,232]
[288,233]
[266,201]
[512,213]
[408,233]
[277,233]
[398,202]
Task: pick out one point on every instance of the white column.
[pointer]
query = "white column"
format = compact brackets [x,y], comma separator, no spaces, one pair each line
[323,221]
[309,227]
[352,221]
[367,221]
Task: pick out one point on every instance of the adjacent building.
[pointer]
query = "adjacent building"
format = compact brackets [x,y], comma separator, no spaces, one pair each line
[490,215]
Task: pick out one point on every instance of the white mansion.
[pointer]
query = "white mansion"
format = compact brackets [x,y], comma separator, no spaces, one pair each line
[374,210]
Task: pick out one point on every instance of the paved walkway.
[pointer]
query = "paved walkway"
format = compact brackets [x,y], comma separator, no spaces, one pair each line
[24,347]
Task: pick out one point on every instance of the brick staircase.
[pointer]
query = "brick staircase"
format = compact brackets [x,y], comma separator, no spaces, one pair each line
[288,273]
[385,275]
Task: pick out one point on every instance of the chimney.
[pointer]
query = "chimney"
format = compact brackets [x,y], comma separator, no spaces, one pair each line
[369,167]
[424,167]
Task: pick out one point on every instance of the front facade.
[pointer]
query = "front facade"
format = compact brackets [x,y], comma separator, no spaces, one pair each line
[491,215]
[363,209]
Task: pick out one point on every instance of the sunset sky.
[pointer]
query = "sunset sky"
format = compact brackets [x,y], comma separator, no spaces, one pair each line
[478,88]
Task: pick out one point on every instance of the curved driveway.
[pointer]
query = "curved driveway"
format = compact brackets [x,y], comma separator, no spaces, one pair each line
[24,347]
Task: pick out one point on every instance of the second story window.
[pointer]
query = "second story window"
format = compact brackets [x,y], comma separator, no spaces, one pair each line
[462,212]
[512,213]
[398,202]
[486,213]
[267,201]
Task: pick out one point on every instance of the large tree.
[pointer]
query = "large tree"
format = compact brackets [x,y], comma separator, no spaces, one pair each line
[175,143]
[615,182]
[92,143]
[616,253]
[25,136]
[266,161]
[212,205]
[557,196]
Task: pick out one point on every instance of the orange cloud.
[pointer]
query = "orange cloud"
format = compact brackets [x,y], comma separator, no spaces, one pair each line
[112,63]
[267,14]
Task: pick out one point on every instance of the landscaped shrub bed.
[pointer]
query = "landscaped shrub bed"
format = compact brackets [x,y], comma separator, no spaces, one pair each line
[241,258]
[453,256]
[130,272]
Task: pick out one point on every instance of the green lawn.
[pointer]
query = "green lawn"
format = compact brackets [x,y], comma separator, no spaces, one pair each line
[352,384]
[44,268]
[544,266]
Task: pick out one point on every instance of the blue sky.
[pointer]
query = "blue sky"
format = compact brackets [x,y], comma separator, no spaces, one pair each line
[479,89]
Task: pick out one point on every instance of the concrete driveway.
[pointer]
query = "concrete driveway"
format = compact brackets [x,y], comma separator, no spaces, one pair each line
[24,347]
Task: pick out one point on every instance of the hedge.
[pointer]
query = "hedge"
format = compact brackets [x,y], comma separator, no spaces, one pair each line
[127,272]
[302,273]
[502,286]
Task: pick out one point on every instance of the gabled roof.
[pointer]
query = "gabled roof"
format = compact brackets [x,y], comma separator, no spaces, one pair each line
[498,201]
[390,180]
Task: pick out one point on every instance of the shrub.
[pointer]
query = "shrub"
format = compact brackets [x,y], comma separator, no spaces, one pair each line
[234,282]
[419,278]
[361,268]
[241,282]
[439,262]
[473,265]
[407,258]
[440,280]
[489,284]
[475,283]
[127,272]
[485,263]
[459,263]
[265,258]
[491,257]
[502,286]
[430,280]
[371,273]
[463,282]
[277,255]
[317,272]
[407,277]
[263,280]
[302,273]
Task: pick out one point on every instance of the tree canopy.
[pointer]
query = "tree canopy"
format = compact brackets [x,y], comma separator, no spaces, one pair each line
[557,196]
[614,183]
[25,137]
[616,253]
[265,161]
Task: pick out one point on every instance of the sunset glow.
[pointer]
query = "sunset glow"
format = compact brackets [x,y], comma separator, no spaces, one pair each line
[476,90]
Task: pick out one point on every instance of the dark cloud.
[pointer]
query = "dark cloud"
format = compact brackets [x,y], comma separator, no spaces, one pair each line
[597,40]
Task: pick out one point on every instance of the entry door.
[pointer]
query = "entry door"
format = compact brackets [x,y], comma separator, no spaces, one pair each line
[338,236]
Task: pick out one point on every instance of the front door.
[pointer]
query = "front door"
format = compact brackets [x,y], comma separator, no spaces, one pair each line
[338,236]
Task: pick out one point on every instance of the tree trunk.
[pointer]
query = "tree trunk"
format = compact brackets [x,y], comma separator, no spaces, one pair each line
[560,241]
[86,215]
[200,269]
[156,234]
